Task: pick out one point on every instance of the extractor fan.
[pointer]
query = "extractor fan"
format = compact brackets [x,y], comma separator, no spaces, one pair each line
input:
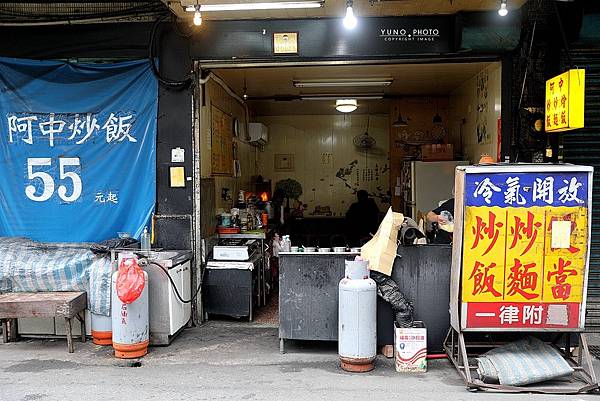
[365,141]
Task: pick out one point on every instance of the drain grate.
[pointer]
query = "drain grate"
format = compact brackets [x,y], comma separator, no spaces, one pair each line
[595,351]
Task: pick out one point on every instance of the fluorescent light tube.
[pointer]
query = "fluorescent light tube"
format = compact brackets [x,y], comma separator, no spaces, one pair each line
[281,5]
[336,83]
[369,96]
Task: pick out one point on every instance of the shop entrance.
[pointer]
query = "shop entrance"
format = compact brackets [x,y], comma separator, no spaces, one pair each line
[272,139]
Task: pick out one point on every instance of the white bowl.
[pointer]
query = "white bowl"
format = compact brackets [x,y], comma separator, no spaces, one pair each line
[324,250]
[310,249]
[339,249]
[355,250]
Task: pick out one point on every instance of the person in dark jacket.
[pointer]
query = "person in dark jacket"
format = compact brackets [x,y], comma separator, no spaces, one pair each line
[362,218]
[439,216]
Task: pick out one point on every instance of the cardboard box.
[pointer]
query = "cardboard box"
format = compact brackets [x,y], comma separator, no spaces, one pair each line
[437,152]
[410,348]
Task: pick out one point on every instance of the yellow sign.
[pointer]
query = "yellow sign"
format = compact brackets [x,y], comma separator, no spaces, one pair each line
[177,175]
[508,254]
[565,101]
[285,43]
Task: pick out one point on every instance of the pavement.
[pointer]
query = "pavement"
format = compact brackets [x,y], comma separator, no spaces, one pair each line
[221,361]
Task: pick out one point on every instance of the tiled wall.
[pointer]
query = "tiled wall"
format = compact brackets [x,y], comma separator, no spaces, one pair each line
[322,147]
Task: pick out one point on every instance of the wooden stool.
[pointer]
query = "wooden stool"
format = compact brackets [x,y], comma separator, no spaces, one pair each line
[42,304]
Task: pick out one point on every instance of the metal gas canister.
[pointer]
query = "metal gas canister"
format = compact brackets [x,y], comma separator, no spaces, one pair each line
[357,338]
[130,322]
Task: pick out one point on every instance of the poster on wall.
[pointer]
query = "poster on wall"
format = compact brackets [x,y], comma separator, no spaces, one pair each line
[78,149]
[524,248]
[483,134]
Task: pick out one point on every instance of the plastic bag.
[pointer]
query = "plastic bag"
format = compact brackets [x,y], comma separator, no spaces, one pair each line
[130,280]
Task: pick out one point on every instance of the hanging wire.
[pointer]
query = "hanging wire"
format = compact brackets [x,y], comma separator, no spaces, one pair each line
[177,85]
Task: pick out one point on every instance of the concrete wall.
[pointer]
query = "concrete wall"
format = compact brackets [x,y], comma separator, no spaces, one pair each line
[470,110]
[215,95]
[326,162]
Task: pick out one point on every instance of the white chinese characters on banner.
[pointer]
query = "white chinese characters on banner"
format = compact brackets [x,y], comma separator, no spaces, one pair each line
[78,127]
[486,189]
[568,193]
[106,197]
[542,190]
[513,192]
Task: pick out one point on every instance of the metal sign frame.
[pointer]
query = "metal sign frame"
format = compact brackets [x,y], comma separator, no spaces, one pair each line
[457,346]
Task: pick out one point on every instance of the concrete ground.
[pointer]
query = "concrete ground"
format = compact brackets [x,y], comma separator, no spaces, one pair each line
[220,361]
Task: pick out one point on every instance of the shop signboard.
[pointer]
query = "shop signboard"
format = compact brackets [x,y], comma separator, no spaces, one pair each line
[325,38]
[77,149]
[565,101]
[521,254]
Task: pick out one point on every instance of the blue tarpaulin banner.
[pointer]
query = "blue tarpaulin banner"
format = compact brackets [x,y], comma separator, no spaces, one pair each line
[77,149]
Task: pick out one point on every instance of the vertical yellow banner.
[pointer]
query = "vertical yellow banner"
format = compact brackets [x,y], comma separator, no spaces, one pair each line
[524,255]
[564,267]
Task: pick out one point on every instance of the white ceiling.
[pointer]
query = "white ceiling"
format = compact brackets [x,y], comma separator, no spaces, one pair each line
[336,8]
[408,80]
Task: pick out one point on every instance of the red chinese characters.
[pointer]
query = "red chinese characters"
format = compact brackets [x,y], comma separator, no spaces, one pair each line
[483,279]
[528,229]
[521,279]
[561,289]
[491,229]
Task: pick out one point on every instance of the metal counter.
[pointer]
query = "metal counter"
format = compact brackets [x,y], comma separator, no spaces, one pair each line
[308,295]
[423,275]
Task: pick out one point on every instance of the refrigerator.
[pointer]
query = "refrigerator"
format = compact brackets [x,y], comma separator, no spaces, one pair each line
[426,184]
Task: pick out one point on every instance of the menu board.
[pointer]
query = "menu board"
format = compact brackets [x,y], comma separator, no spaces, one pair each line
[524,249]
[221,142]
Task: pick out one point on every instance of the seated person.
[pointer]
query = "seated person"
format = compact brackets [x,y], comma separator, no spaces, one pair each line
[362,218]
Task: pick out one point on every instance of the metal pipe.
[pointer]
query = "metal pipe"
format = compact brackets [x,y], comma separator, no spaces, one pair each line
[77,21]
[437,356]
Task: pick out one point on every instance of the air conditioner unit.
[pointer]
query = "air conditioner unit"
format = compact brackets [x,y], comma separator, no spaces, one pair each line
[259,133]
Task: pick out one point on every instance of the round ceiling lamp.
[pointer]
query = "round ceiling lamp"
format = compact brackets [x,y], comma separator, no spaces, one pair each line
[197,16]
[503,11]
[349,20]
[346,105]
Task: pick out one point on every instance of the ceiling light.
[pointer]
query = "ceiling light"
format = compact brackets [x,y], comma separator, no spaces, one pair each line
[328,83]
[245,95]
[282,5]
[349,20]
[503,11]
[332,96]
[346,105]
[190,8]
[197,18]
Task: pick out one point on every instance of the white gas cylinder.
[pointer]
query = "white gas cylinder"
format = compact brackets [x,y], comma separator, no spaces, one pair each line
[357,329]
[130,325]
[101,329]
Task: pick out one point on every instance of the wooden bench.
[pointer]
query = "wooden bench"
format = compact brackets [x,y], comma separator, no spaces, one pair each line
[67,305]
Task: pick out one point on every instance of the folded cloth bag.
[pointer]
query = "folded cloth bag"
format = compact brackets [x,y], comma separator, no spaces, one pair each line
[525,361]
